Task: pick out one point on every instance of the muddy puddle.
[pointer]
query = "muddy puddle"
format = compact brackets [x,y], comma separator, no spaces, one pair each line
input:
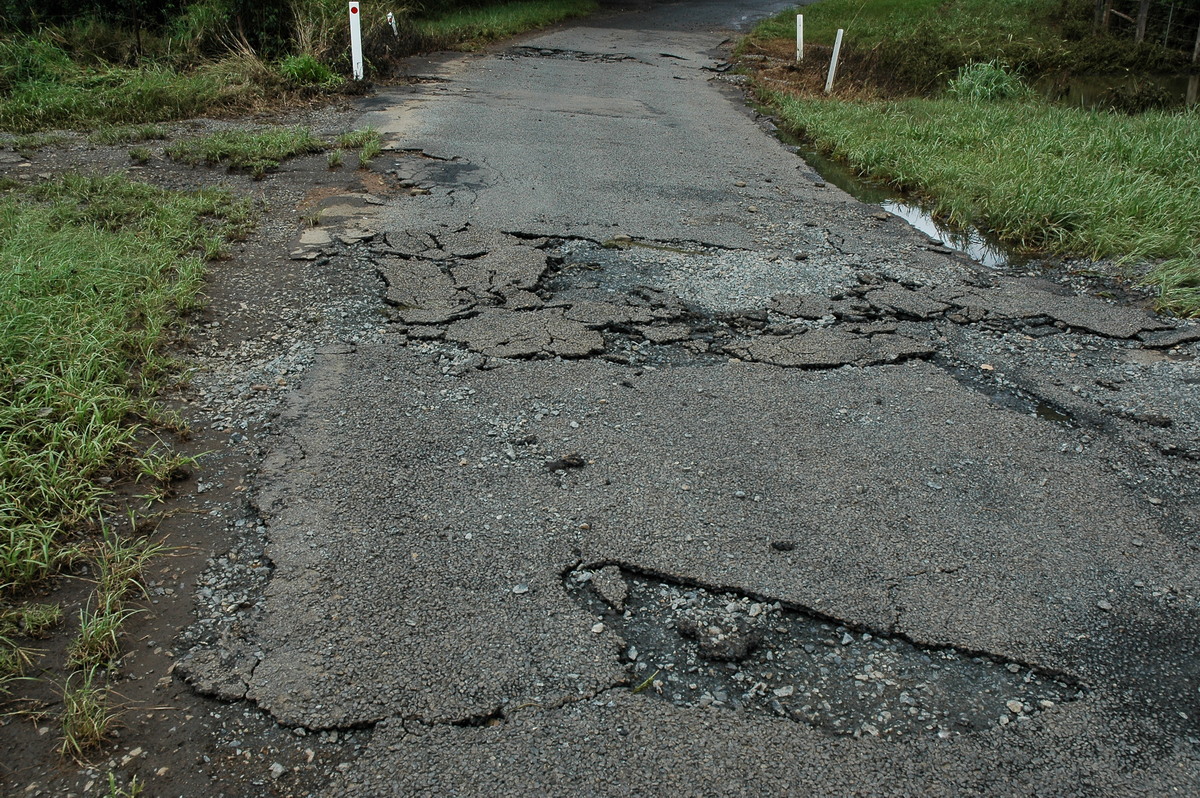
[698,647]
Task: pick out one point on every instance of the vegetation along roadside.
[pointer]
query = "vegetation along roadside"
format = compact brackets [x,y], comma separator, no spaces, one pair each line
[936,98]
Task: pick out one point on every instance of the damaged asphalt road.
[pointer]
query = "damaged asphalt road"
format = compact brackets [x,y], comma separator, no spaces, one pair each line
[680,472]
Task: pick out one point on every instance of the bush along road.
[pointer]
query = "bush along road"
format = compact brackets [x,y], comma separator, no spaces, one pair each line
[590,441]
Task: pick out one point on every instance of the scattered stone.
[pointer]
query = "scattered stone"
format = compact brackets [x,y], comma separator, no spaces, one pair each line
[781,545]
[572,460]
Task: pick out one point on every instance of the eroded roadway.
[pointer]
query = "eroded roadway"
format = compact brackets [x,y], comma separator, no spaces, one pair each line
[682,473]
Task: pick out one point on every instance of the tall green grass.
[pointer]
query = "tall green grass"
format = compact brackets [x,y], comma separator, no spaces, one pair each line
[122,95]
[1043,177]
[92,273]
[922,43]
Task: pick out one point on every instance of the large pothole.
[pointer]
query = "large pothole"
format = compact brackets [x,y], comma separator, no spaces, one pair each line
[699,647]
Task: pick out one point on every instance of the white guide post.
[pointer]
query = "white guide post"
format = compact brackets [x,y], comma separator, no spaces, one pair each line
[356,58]
[799,38]
[837,48]
[391,18]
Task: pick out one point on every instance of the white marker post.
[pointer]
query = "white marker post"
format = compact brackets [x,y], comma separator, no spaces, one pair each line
[391,18]
[356,58]
[799,38]
[837,48]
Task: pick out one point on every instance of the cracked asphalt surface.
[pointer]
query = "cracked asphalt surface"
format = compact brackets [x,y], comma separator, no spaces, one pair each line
[656,413]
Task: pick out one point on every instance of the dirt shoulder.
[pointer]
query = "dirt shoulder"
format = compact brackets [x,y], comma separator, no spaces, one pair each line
[264,313]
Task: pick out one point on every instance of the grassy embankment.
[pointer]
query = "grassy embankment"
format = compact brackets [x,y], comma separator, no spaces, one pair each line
[978,147]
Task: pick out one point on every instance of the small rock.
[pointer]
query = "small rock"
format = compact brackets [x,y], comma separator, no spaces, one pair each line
[1014,706]
[1105,605]
[752,209]
[783,545]
[740,183]
[784,692]
[847,638]
[277,770]
[518,589]
[597,628]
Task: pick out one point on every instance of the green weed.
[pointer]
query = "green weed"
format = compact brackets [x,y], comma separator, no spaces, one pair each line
[987,81]
[87,719]
[121,563]
[30,620]
[368,142]
[133,790]
[36,141]
[98,642]
[335,159]
[917,46]
[254,151]
[305,70]
[140,155]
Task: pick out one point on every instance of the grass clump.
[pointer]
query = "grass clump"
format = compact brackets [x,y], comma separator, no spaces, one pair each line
[305,70]
[94,270]
[98,643]
[987,81]
[367,141]
[87,718]
[254,151]
[1042,177]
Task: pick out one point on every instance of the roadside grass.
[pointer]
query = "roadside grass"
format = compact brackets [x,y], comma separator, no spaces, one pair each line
[253,151]
[94,271]
[98,96]
[916,46]
[262,150]
[474,25]
[368,142]
[1043,177]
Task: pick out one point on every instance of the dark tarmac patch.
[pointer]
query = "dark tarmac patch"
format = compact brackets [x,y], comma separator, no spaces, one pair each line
[697,647]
